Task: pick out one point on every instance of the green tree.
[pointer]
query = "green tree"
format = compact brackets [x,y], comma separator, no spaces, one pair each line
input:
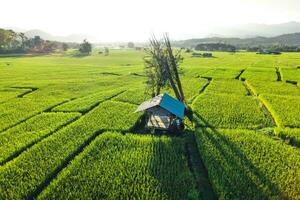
[23,40]
[37,42]
[8,40]
[65,46]
[85,47]
[162,67]
[48,47]
[106,51]
[130,45]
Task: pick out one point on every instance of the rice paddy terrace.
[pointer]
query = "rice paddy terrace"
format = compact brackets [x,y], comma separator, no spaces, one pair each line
[68,129]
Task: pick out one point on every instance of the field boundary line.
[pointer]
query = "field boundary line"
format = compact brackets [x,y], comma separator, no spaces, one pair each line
[198,170]
[38,113]
[32,89]
[267,112]
[99,102]
[51,133]
[277,119]
[203,74]
[205,124]
[206,77]
[122,101]
[268,107]
[51,109]
[17,153]
[77,152]
[89,108]
[65,163]
[202,90]
[72,155]
[292,82]
[209,80]
[110,73]
[190,101]
[249,89]
[240,74]
[19,95]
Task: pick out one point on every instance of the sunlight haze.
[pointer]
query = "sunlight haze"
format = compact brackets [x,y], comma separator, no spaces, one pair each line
[116,20]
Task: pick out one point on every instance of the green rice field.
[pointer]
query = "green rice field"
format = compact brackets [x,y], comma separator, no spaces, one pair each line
[68,129]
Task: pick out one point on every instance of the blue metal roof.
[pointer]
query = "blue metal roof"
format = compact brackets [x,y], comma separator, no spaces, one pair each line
[172,105]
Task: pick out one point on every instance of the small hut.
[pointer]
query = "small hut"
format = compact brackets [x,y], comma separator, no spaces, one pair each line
[265,51]
[196,54]
[163,112]
[139,48]
[207,55]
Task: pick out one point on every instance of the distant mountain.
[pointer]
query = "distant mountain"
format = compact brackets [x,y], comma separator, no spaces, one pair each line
[42,34]
[231,33]
[254,30]
[47,36]
[286,39]
[16,29]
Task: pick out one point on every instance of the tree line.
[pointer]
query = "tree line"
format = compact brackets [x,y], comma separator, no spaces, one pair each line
[278,48]
[13,42]
[259,48]
[215,47]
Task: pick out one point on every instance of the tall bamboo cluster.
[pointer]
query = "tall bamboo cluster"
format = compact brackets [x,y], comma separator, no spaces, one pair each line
[162,67]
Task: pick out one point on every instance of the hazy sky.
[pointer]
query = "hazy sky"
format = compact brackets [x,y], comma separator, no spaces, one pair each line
[116,20]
